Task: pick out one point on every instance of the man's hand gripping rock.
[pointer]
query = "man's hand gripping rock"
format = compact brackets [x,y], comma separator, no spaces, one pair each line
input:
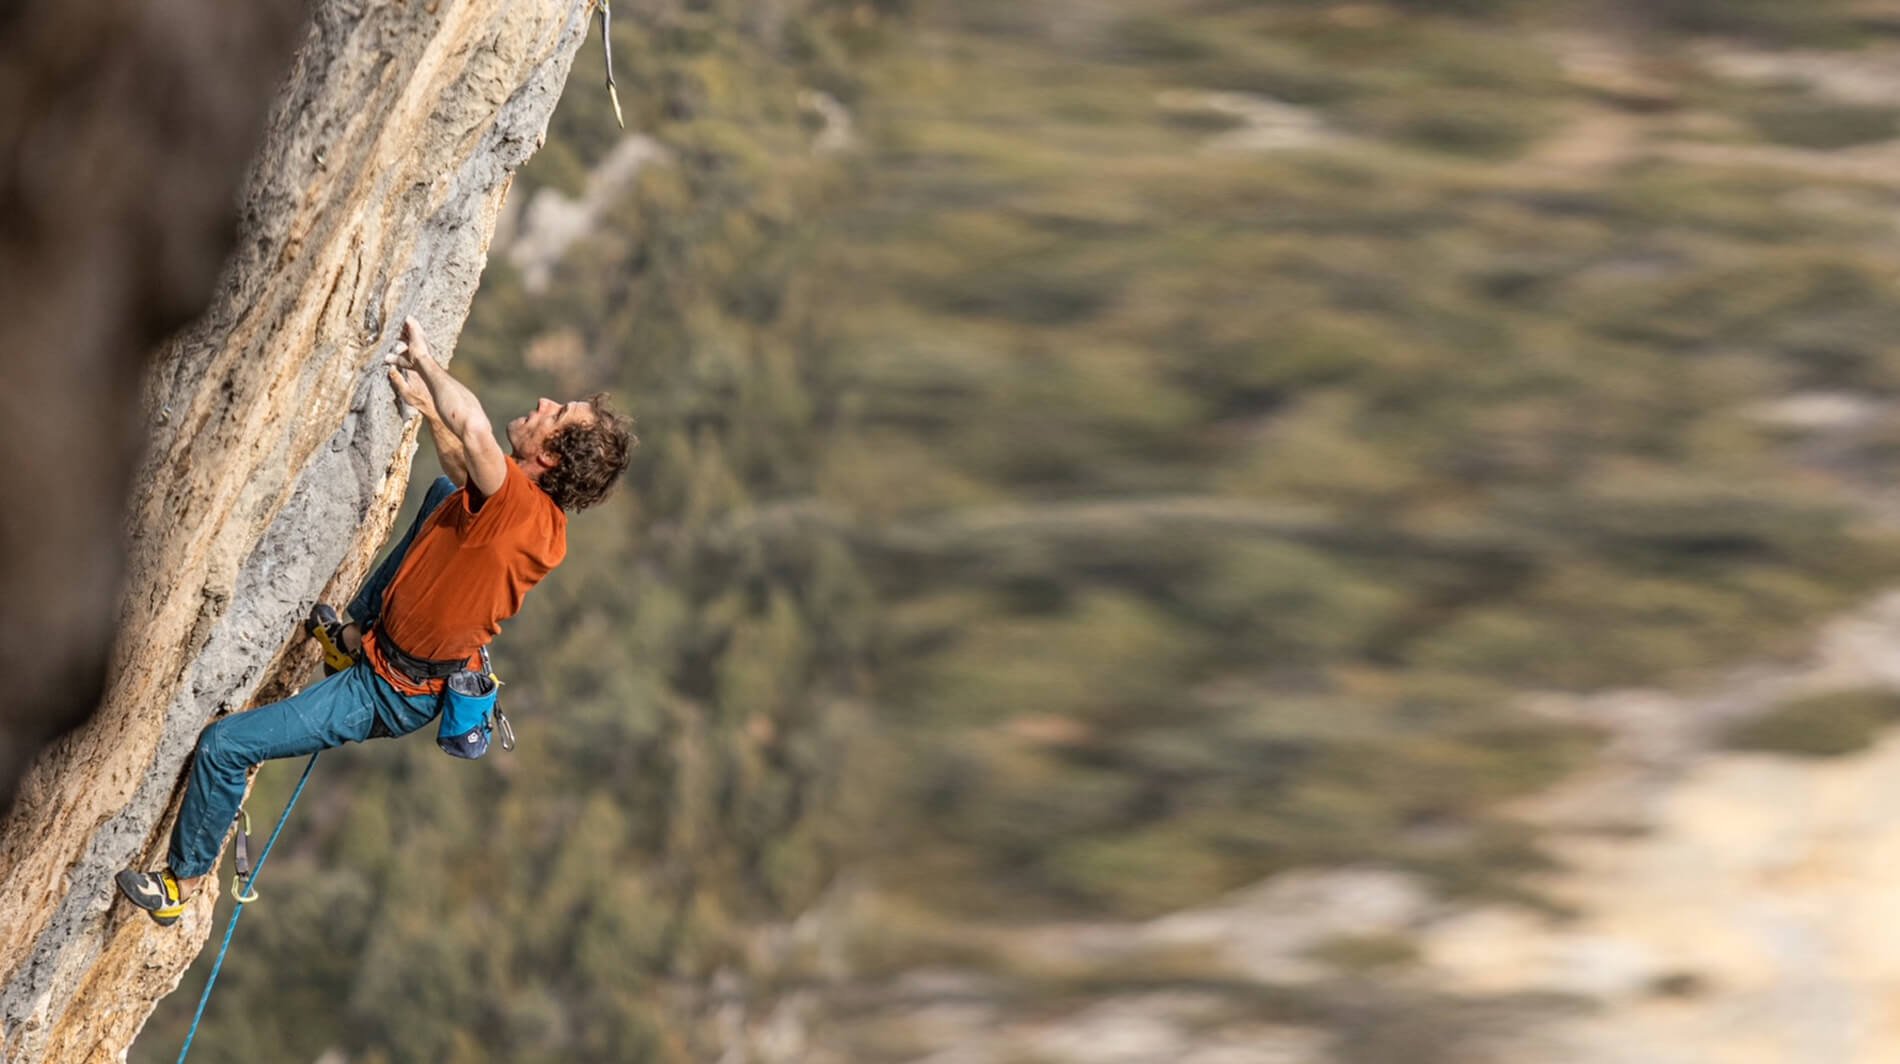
[406,362]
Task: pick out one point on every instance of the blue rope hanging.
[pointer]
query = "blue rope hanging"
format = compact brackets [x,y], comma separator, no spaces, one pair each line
[249,884]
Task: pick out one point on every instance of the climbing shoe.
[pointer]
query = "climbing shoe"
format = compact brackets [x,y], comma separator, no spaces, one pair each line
[324,626]
[155,892]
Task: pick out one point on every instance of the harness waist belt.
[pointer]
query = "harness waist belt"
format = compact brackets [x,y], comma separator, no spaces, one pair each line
[417,670]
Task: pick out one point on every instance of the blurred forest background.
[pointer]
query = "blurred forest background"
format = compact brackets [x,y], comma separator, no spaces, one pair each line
[1099,456]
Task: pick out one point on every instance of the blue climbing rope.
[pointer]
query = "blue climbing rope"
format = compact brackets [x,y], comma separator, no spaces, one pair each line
[239,911]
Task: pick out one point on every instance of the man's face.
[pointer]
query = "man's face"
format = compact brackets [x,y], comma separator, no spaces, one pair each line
[528,434]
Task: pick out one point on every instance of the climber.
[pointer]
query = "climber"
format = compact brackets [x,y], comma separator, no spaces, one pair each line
[488,530]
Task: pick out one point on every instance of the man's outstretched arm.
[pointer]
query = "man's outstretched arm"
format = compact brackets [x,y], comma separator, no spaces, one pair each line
[448,447]
[458,415]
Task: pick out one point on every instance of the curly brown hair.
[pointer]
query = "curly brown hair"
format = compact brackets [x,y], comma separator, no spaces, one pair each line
[592,456]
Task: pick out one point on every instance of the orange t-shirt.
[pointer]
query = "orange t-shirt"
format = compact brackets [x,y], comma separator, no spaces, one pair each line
[467,571]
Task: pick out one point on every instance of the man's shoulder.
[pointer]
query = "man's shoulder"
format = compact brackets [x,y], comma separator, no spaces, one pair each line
[517,494]
[531,514]
[518,509]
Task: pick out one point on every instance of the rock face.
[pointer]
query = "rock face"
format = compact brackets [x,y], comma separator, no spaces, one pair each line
[275,462]
[124,133]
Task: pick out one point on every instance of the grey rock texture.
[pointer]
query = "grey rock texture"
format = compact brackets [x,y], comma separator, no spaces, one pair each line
[124,132]
[275,463]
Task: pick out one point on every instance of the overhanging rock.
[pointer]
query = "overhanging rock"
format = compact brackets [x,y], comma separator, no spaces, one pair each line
[276,460]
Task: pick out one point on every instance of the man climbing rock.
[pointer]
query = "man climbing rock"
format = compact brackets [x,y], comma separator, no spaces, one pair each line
[489,529]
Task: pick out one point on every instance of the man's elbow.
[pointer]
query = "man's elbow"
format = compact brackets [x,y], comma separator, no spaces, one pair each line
[472,430]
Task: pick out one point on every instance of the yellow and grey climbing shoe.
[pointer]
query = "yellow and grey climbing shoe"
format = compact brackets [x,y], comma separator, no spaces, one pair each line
[324,626]
[155,892]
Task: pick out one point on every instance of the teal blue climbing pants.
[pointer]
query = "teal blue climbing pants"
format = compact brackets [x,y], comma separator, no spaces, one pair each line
[354,705]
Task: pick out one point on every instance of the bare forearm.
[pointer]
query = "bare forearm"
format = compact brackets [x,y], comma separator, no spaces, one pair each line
[448,449]
[470,455]
[455,406]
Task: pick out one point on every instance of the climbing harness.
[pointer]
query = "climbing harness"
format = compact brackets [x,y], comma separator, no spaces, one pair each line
[244,896]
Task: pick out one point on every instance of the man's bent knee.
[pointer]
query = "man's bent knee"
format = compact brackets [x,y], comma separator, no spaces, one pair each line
[216,745]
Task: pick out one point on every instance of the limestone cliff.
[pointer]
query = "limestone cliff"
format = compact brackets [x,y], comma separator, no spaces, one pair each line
[275,460]
[124,133]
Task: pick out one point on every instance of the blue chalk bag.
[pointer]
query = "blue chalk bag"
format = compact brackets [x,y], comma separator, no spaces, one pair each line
[468,711]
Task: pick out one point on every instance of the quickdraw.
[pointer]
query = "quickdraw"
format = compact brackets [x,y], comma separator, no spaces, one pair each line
[239,890]
[607,48]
